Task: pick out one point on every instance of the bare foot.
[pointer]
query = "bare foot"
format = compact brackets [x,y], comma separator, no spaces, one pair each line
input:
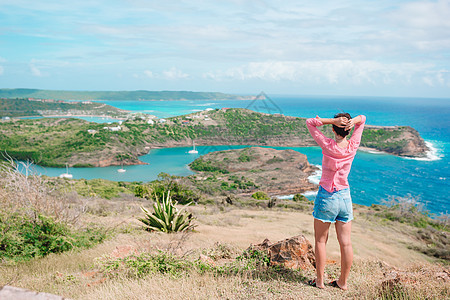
[336,284]
[315,284]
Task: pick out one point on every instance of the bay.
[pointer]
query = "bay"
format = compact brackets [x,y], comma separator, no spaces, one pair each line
[375,177]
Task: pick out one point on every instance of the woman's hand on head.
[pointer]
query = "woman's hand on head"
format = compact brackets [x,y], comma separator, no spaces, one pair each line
[350,124]
[341,122]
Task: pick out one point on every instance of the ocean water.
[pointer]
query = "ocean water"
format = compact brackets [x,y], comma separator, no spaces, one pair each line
[375,176]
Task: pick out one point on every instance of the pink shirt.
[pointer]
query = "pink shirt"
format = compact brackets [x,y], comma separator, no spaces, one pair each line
[336,162]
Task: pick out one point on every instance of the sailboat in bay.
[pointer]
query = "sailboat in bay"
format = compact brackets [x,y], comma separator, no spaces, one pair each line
[67,174]
[193,150]
[121,170]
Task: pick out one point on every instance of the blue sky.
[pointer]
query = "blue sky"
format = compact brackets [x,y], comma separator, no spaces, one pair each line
[330,47]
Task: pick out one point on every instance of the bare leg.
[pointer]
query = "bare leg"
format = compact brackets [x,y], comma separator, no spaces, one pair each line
[343,231]
[321,238]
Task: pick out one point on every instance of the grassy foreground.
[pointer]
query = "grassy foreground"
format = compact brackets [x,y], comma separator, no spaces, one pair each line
[202,264]
[48,243]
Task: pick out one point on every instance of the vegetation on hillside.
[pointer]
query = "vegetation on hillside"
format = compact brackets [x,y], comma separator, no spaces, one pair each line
[36,219]
[179,187]
[23,107]
[432,231]
[114,95]
[54,142]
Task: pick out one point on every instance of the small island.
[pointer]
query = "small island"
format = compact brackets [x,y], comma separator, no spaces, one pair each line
[276,172]
[78,143]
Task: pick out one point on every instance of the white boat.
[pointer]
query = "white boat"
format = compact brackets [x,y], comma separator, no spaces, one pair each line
[121,170]
[193,150]
[67,174]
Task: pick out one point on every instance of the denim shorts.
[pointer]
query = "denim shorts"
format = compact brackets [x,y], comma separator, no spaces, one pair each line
[332,207]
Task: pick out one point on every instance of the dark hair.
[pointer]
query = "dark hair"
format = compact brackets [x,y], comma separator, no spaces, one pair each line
[339,130]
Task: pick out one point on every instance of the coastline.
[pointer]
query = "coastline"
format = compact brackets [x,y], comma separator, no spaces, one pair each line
[72,116]
[219,127]
[431,155]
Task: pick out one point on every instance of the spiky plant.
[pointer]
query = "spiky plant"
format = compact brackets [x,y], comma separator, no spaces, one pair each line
[166,217]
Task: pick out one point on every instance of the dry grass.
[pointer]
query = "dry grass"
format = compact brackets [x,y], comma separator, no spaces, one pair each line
[381,255]
[35,195]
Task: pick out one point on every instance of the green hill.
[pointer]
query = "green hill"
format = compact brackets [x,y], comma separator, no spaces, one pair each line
[115,95]
[24,107]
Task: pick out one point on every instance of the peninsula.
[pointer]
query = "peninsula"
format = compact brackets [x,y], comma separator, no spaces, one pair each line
[55,142]
[36,107]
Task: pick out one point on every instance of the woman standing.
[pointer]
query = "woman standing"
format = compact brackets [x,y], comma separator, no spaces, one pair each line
[333,202]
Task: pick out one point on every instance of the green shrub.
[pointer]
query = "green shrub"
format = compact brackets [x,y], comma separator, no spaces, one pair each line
[24,238]
[207,166]
[300,198]
[166,217]
[141,191]
[274,159]
[179,191]
[259,195]
[253,263]
[139,266]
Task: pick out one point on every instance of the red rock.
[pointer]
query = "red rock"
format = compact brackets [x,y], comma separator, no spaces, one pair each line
[292,253]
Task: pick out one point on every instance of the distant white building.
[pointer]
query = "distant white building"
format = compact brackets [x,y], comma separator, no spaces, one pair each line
[115,128]
[162,120]
[6,118]
[92,131]
[118,128]
[209,109]
[151,122]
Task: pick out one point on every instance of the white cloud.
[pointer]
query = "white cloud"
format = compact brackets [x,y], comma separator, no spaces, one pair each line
[428,81]
[171,74]
[437,78]
[1,67]
[291,42]
[426,14]
[174,73]
[424,25]
[149,74]
[35,71]
[335,72]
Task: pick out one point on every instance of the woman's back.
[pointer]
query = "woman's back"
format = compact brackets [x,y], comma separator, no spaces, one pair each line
[337,161]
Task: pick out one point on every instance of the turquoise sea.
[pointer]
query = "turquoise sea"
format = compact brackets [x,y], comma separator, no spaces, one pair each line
[375,177]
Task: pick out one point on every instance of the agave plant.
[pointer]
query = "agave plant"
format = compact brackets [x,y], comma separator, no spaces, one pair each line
[166,217]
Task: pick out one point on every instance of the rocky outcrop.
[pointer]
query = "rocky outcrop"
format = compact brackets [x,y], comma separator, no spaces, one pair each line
[397,140]
[415,145]
[292,253]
